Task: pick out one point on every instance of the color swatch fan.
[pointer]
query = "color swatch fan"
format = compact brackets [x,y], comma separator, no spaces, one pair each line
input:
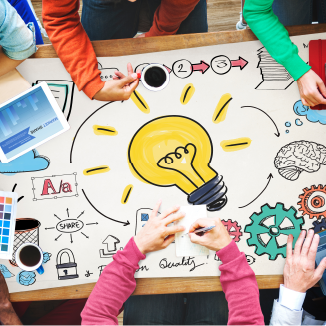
[8,210]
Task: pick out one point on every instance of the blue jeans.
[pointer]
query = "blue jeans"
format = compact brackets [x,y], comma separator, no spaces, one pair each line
[207,308]
[105,20]
[24,10]
[298,12]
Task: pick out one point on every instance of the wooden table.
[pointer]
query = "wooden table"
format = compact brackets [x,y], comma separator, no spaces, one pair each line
[146,45]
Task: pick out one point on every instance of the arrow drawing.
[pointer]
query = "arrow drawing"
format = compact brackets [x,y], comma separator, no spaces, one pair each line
[84,235]
[269,180]
[57,217]
[202,66]
[80,215]
[58,237]
[124,223]
[67,212]
[91,223]
[71,238]
[253,107]
[239,63]
[49,228]
[167,68]
[111,243]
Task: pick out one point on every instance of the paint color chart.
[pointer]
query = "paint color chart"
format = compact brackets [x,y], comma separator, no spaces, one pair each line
[8,208]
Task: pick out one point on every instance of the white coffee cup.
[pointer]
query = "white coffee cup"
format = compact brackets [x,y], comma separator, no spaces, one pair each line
[38,266]
[163,72]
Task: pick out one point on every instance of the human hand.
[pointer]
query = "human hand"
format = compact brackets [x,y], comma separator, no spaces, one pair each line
[120,88]
[215,239]
[140,35]
[312,89]
[156,235]
[7,313]
[299,270]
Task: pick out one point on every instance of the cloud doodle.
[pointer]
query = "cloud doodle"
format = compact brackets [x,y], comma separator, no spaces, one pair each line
[311,115]
[46,257]
[29,162]
[5,271]
[26,278]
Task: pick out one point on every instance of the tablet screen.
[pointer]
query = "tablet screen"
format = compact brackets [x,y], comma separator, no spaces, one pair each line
[26,121]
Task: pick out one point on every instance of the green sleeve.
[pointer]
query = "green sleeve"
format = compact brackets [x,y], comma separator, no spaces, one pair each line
[273,35]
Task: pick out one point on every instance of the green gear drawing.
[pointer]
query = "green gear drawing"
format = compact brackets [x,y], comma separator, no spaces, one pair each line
[274,230]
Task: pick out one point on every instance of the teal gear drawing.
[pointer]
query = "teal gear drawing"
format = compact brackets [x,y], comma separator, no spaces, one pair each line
[269,226]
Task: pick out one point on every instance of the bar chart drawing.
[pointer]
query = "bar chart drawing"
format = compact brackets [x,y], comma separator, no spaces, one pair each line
[63,92]
[9,115]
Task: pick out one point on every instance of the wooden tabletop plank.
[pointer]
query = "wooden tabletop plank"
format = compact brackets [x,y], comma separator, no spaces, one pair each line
[145,286]
[122,47]
[109,48]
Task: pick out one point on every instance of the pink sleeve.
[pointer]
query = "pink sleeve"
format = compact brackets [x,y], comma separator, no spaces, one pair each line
[240,287]
[114,287]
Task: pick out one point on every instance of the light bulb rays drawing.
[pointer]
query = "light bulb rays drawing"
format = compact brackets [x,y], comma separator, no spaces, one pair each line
[177,151]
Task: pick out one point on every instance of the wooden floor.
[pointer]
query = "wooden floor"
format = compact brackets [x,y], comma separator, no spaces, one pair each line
[222,16]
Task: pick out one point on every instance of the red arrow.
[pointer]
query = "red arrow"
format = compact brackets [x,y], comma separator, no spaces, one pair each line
[239,63]
[167,68]
[202,66]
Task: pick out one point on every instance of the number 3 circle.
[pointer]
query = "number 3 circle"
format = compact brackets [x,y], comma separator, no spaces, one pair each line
[182,68]
[221,64]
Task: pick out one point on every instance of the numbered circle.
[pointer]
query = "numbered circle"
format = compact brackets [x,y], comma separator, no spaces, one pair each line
[221,64]
[182,68]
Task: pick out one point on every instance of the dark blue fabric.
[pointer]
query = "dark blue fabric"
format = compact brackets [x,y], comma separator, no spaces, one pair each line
[299,12]
[25,12]
[105,20]
[207,308]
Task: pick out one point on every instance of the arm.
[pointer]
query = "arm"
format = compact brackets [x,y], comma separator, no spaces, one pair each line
[237,278]
[275,38]
[169,15]
[7,313]
[74,48]
[299,276]
[117,281]
[16,39]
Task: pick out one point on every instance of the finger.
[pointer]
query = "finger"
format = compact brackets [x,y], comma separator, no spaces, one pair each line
[169,211]
[318,98]
[134,85]
[200,223]
[298,244]
[304,102]
[156,208]
[174,229]
[320,270]
[173,217]
[307,243]
[311,100]
[168,240]
[289,247]
[313,250]
[194,238]
[119,74]
[322,88]
[127,80]
[129,68]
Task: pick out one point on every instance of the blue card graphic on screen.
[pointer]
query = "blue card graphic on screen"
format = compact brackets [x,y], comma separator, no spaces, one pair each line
[27,121]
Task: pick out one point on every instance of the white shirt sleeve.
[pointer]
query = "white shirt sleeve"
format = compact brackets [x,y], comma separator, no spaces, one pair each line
[291,299]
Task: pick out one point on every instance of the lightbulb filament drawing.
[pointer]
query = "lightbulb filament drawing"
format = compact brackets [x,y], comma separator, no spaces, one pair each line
[177,151]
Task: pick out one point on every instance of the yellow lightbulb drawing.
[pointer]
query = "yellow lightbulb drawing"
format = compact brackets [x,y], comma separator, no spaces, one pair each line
[177,151]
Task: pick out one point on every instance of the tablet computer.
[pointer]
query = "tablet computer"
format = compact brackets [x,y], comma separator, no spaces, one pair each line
[28,120]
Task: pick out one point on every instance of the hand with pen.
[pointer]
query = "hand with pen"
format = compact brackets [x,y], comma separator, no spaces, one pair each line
[215,239]
[120,88]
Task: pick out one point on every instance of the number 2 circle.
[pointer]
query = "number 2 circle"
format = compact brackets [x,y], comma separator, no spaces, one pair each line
[182,68]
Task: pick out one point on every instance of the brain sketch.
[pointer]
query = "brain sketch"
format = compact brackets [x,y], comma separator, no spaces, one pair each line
[299,156]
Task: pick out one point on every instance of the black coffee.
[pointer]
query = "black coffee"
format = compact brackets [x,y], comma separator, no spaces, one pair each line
[155,76]
[30,256]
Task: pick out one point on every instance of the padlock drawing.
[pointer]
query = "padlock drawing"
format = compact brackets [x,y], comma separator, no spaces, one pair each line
[66,270]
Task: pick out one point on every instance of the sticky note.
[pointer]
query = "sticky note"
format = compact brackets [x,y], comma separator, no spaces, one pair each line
[8,200]
[2,200]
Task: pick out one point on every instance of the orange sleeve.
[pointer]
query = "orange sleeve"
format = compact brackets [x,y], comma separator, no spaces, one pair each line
[169,15]
[74,48]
